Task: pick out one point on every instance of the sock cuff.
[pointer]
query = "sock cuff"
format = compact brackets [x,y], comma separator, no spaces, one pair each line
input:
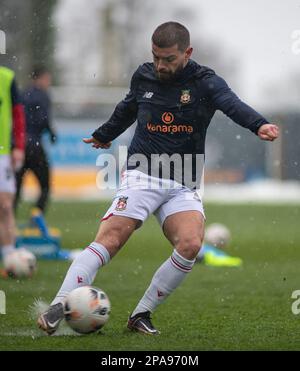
[100,251]
[181,263]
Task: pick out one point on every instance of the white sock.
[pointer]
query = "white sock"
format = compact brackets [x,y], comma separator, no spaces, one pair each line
[165,280]
[83,270]
[7,249]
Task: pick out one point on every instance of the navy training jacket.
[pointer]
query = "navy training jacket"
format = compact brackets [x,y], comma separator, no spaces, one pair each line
[173,117]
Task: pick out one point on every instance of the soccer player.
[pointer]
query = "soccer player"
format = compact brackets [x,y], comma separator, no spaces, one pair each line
[37,106]
[173,100]
[12,143]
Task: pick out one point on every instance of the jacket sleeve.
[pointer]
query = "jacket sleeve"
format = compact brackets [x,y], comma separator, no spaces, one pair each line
[224,99]
[123,116]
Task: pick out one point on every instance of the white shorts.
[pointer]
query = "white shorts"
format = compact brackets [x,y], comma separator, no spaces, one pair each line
[135,199]
[7,176]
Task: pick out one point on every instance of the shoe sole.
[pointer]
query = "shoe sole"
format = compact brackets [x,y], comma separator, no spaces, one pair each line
[142,331]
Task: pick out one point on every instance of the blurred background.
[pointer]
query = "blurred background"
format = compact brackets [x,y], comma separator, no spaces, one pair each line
[92,48]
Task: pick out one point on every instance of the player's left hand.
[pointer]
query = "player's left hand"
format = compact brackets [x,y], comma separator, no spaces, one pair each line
[96,144]
[268,132]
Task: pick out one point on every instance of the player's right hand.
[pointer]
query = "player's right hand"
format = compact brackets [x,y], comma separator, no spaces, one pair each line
[268,132]
[95,143]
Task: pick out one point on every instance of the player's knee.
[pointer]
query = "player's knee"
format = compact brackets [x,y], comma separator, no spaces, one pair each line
[189,247]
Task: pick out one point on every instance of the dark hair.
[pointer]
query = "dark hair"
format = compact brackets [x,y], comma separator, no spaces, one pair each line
[38,71]
[171,33]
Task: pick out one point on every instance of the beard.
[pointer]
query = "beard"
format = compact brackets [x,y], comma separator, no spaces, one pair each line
[170,75]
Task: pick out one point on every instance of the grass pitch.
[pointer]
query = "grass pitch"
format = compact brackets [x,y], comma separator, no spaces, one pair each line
[247,308]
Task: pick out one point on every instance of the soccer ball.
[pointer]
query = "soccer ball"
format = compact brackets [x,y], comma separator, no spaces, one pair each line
[20,263]
[86,309]
[217,235]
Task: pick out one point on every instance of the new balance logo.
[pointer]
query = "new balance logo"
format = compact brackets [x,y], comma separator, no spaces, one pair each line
[148,94]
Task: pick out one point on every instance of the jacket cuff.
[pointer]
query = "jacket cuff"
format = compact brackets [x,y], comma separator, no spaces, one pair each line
[97,135]
[258,125]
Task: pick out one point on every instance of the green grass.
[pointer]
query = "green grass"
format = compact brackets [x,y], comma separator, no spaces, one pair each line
[214,309]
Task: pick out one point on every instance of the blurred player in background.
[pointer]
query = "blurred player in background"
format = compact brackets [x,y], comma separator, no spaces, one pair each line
[37,106]
[12,143]
[173,100]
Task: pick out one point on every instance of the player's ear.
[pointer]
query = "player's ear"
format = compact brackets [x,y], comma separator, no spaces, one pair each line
[188,52]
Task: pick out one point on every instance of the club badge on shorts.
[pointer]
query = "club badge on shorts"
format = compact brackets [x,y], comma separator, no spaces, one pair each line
[122,203]
[185,96]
